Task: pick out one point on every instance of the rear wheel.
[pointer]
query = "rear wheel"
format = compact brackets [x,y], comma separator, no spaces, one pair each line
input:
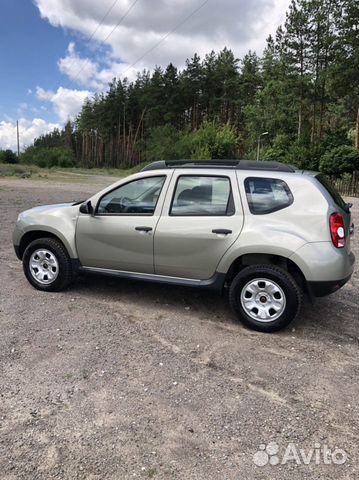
[47,265]
[265,297]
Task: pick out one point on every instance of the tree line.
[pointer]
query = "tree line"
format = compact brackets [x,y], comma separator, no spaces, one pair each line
[303,91]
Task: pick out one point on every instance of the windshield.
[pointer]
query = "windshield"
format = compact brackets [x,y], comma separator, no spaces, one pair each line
[327,184]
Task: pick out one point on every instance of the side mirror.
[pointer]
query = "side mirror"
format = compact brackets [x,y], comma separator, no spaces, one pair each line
[86,208]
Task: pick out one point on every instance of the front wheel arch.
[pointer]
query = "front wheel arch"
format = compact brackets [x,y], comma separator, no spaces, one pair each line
[52,247]
[32,235]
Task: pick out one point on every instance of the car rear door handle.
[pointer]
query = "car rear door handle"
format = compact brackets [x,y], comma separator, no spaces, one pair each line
[221,231]
[143,229]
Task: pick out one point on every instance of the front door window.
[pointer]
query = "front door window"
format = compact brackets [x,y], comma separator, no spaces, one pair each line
[138,197]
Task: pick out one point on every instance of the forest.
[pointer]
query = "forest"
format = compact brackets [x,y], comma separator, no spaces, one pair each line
[302,92]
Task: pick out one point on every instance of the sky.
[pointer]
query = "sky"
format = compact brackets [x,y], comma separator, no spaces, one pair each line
[55,53]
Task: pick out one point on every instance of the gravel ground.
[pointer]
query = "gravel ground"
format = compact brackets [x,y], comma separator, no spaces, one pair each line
[115,379]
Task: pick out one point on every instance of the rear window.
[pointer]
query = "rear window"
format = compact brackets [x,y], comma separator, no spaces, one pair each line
[327,184]
[267,195]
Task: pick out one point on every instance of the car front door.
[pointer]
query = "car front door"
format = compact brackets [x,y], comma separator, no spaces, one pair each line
[119,235]
[201,218]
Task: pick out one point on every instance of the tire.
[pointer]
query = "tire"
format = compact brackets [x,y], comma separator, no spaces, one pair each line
[49,257]
[265,297]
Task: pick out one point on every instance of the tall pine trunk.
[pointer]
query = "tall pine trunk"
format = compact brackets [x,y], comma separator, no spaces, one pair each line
[357,131]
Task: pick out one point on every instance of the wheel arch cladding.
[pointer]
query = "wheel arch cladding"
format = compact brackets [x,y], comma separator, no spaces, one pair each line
[32,235]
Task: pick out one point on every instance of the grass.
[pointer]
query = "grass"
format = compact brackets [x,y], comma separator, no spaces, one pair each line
[17,170]
[113,172]
[151,472]
[61,174]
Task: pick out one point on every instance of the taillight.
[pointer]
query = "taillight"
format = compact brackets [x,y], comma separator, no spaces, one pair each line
[337,230]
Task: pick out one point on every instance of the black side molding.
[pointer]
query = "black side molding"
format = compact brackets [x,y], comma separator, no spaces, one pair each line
[215,283]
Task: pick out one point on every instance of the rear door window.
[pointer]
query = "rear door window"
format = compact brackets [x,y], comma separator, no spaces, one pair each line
[202,195]
[267,195]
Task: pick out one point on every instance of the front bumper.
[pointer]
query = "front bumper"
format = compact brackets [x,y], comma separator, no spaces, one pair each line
[17,251]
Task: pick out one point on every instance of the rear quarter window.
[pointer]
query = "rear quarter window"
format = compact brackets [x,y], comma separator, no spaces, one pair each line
[330,188]
[267,195]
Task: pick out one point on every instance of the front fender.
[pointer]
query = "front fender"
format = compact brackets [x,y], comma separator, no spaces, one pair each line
[60,222]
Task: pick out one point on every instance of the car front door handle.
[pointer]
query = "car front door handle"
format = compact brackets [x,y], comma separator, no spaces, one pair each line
[221,231]
[143,229]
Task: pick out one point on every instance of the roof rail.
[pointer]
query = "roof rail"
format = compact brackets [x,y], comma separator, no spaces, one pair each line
[232,164]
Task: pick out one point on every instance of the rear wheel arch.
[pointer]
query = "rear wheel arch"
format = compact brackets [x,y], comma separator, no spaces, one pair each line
[265,297]
[267,259]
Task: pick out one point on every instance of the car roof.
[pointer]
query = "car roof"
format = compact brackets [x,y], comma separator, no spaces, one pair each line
[226,164]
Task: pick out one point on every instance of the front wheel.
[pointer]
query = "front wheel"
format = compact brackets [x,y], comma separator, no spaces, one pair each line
[47,265]
[265,297]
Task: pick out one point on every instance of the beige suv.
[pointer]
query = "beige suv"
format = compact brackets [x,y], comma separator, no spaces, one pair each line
[264,230]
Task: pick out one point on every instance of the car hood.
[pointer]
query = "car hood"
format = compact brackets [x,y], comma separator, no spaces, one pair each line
[43,214]
[45,208]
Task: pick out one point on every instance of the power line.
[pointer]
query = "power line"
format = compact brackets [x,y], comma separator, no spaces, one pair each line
[120,21]
[102,20]
[176,27]
[109,35]
[109,10]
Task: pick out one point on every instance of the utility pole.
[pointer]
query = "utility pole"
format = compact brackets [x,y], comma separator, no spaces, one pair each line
[259,143]
[18,138]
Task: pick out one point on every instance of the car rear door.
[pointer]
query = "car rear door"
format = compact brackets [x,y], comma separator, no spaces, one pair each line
[201,218]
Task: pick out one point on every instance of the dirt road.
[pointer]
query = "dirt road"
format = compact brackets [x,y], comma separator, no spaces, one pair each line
[119,380]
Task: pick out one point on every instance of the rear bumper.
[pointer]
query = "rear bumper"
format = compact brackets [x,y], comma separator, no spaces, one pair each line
[321,289]
[321,261]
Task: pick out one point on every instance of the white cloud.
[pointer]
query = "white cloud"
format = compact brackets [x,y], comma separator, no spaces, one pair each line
[118,70]
[28,130]
[88,73]
[66,102]
[44,95]
[81,70]
[238,24]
